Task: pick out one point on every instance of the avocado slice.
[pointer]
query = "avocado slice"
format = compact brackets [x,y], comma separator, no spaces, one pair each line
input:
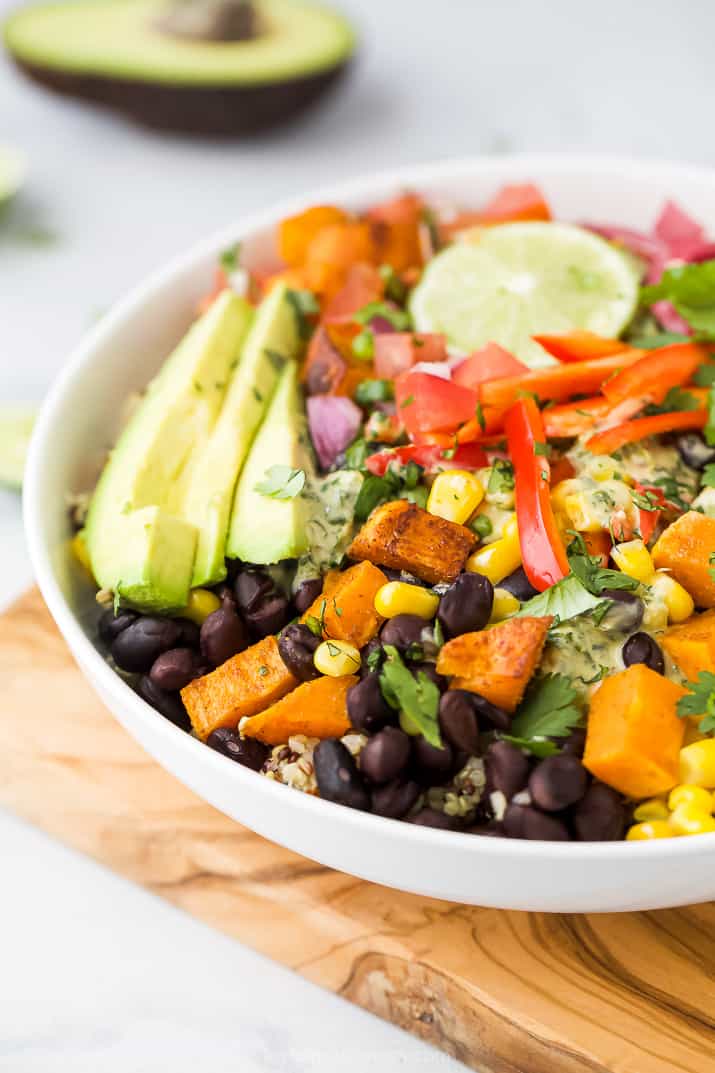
[12,173]
[136,56]
[140,540]
[274,336]
[264,528]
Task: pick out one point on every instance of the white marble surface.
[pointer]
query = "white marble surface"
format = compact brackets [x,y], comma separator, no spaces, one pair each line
[94,974]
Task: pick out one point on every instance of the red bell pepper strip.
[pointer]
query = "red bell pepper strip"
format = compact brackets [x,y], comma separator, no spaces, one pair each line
[431,457]
[608,441]
[558,381]
[580,346]
[542,550]
[651,378]
[574,418]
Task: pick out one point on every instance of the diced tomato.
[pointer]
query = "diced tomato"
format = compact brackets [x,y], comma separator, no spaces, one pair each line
[518,202]
[489,363]
[397,352]
[580,346]
[598,544]
[430,456]
[651,378]
[648,519]
[431,404]
[363,284]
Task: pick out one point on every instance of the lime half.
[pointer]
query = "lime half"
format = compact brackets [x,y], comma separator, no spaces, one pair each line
[505,284]
[16,424]
[12,172]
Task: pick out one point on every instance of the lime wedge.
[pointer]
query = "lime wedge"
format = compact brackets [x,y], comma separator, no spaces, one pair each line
[505,284]
[16,424]
[12,172]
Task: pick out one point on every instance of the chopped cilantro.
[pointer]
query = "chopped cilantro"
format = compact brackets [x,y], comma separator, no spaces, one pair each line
[676,399]
[407,402]
[479,414]
[374,659]
[595,578]
[314,626]
[547,710]
[646,500]
[501,478]
[481,525]
[256,394]
[414,694]
[564,600]
[395,289]
[691,289]
[709,430]
[229,259]
[363,345]
[704,375]
[281,482]
[542,449]
[700,700]
[398,318]
[536,746]
[708,476]
[375,490]
[263,670]
[370,391]
[355,454]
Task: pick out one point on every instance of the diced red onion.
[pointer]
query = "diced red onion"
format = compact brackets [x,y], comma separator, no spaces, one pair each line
[653,250]
[433,368]
[668,317]
[381,325]
[678,231]
[334,422]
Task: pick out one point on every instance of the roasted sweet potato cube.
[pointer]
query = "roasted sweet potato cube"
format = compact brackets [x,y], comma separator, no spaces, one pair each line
[317,709]
[346,607]
[246,684]
[634,734]
[685,549]
[496,663]
[402,536]
[691,646]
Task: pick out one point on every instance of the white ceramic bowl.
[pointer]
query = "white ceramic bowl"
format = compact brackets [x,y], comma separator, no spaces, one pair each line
[77,424]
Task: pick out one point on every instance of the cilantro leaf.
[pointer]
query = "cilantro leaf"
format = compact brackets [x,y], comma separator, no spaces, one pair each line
[708,476]
[547,710]
[370,391]
[374,491]
[281,482]
[700,700]
[658,340]
[501,478]
[564,600]
[415,695]
[704,375]
[534,746]
[355,454]
[398,318]
[691,289]
[595,578]
[676,399]
[709,430]
[230,258]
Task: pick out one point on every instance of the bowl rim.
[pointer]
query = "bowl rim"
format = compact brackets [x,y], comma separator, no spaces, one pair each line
[355,189]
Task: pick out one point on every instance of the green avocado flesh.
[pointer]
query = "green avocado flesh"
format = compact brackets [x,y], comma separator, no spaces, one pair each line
[11,173]
[266,529]
[121,39]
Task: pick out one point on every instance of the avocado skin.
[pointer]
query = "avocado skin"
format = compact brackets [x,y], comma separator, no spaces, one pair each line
[227,111]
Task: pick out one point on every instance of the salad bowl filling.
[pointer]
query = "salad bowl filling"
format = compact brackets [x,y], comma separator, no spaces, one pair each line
[419,517]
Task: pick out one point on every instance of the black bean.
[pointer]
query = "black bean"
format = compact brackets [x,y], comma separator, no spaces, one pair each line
[223,635]
[575,743]
[523,821]
[338,777]
[174,669]
[694,451]
[489,715]
[506,769]
[402,631]
[368,710]
[487,830]
[385,755]
[432,765]
[458,720]
[600,815]
[466,605]
[557,782]
[431,671]
[110,625]
[251,588]
[368,660]
[297,645]
[249,752]
[190,633]
[430,817]
[268,617]
[307,593]
[395,799]
[641,648]
[167,704]
[625,613]
[136,647]
[518,584]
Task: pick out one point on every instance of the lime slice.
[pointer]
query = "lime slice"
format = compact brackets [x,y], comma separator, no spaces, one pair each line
[16,424]
[12,172]
[505,284]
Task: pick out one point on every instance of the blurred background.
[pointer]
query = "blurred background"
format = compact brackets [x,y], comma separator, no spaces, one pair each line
[106,202]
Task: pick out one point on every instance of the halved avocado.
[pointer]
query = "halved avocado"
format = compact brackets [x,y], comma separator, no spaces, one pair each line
[141,57]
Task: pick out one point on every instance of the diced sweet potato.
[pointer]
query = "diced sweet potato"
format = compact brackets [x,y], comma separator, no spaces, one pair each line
[244,685]
[691,646]
[346,606]
[685,549]
[402,536]
[496,663]
[317,709]
[634,735]
[296,233]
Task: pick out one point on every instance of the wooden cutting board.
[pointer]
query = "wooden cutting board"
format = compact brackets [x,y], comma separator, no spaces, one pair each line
[504,992]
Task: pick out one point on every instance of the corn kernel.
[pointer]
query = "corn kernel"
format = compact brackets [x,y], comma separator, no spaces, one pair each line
[401,598]
[697,764]
[678,600]
[336,658]
[79,550]
[690,820]
[633,558]
[504,605]
[653,809]
[696,796]
[455,495]
[200,605]
[496,561]
[644,832]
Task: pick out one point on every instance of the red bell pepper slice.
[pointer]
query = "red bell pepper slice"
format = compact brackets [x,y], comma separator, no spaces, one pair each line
[648,518]
[489,363]
[608,441]
[559,381]
[580,346]
[396,352]
[651,378]
[431,457]
[574,418]
[542,550]
[429,403]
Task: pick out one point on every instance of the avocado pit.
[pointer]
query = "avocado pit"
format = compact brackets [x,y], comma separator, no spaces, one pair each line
[210,20]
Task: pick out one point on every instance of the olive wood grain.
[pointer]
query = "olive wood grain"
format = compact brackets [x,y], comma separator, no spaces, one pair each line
[505,992]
